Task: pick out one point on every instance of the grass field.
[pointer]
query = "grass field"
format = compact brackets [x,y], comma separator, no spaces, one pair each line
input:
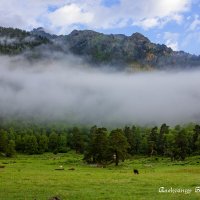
[34,177]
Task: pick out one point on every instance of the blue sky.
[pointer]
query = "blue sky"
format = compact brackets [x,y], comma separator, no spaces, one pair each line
[175,23]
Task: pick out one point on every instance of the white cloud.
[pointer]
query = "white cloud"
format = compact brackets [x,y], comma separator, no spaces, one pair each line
[28,14]
[146,14]
[195,24]
[70,14]
[147,23]
[173,45]
[178,18]
[171,40]
[191,35]
[192,42]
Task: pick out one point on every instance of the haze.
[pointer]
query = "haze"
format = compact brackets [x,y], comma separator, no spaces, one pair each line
[67,89]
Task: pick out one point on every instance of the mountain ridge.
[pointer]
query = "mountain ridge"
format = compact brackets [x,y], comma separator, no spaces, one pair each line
[135,51]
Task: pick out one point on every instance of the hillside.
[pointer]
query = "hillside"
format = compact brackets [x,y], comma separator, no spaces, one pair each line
[135,51]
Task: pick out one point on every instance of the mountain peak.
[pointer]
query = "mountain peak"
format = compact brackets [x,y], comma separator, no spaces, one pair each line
[139,37]
[84,32]
[40,31]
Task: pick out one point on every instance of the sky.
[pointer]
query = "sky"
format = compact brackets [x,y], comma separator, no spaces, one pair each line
[175,23]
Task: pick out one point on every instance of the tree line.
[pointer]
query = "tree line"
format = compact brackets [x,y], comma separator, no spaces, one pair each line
[18,41]
[99,144]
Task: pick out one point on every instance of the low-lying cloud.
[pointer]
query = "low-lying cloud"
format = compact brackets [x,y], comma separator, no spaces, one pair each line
[71,91]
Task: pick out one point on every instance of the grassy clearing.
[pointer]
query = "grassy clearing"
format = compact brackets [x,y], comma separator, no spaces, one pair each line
[35,177]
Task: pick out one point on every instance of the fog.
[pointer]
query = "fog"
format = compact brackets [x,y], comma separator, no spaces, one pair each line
[67,89]
[13,41]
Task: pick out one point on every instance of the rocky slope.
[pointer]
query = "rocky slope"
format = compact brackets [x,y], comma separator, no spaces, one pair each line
[135,51]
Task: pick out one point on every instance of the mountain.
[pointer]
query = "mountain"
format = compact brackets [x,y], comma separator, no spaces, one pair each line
[135,51]
[42,33]
[16,41]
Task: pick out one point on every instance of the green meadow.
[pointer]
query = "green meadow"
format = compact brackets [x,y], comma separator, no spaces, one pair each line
[33,177]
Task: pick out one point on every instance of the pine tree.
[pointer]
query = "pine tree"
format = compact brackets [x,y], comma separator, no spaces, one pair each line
[153,141]
[181,143]
[195,137]
[3,140]
[118,145]
[53,142]
[161,142]
[10,151]
[42,143]
[77,140]
[97,149]
[31,145]
[62,143]
[130,139]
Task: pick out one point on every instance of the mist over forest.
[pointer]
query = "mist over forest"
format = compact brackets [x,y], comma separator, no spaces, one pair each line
[68,89]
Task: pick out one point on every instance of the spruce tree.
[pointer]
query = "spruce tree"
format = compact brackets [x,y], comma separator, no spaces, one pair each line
[118,145]
[10,151]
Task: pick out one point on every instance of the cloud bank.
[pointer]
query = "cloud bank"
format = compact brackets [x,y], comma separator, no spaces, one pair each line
[71,91]
[61,16]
